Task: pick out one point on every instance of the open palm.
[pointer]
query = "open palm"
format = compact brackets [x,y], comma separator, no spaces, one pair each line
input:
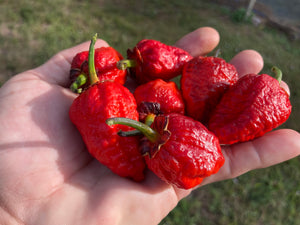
[48,177]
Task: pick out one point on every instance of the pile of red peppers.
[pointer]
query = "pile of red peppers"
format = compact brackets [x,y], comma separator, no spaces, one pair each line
[176,132]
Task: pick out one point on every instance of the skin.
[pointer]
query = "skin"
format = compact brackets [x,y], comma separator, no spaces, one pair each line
[47,176]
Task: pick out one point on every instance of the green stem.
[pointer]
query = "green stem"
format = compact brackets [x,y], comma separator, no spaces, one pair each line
[151,134]
[80,80]
[126,63]
[277,72]
[129,133]
[91,60]
[148,121]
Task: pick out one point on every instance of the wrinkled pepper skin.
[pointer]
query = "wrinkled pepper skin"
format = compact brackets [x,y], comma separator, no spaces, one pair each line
[166,93]
[188,153]
[204,80]
[106,59]
[256,104]
[90,110]
[155,60]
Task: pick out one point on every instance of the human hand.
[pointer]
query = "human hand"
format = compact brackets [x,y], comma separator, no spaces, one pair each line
[48,177]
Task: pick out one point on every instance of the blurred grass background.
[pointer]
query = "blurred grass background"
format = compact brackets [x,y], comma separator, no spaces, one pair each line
[32,31]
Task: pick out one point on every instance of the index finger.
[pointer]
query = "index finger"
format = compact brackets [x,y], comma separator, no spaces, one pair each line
[199,42]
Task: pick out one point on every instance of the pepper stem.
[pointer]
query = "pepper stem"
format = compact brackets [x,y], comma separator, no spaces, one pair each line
[91,61]
[148,121]
[129,133]
[80,80]
[151,134]
[126,63]
[277,72]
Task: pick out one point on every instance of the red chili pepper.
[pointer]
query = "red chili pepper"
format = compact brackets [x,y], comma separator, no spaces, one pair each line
[159,91]
[178,149]
[106,59]
[204,80]
[151,59]
[253,106]
[89,111]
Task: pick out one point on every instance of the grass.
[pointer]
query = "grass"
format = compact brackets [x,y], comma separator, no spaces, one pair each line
[265,196]
[32,31]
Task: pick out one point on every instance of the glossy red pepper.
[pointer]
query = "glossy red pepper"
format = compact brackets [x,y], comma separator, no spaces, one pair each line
[151,59]
[204,80]
[179,150]
[106,59]
[256,104]
[89,111]
[159,91]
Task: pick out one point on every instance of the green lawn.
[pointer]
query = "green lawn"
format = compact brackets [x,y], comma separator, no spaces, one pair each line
[32,31]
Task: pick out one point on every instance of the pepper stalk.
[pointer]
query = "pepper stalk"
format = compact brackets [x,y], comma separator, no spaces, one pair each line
[277,72]
[148,121]
[82,78]
[157,136]
[145,129]
[126,63]
[91,61]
